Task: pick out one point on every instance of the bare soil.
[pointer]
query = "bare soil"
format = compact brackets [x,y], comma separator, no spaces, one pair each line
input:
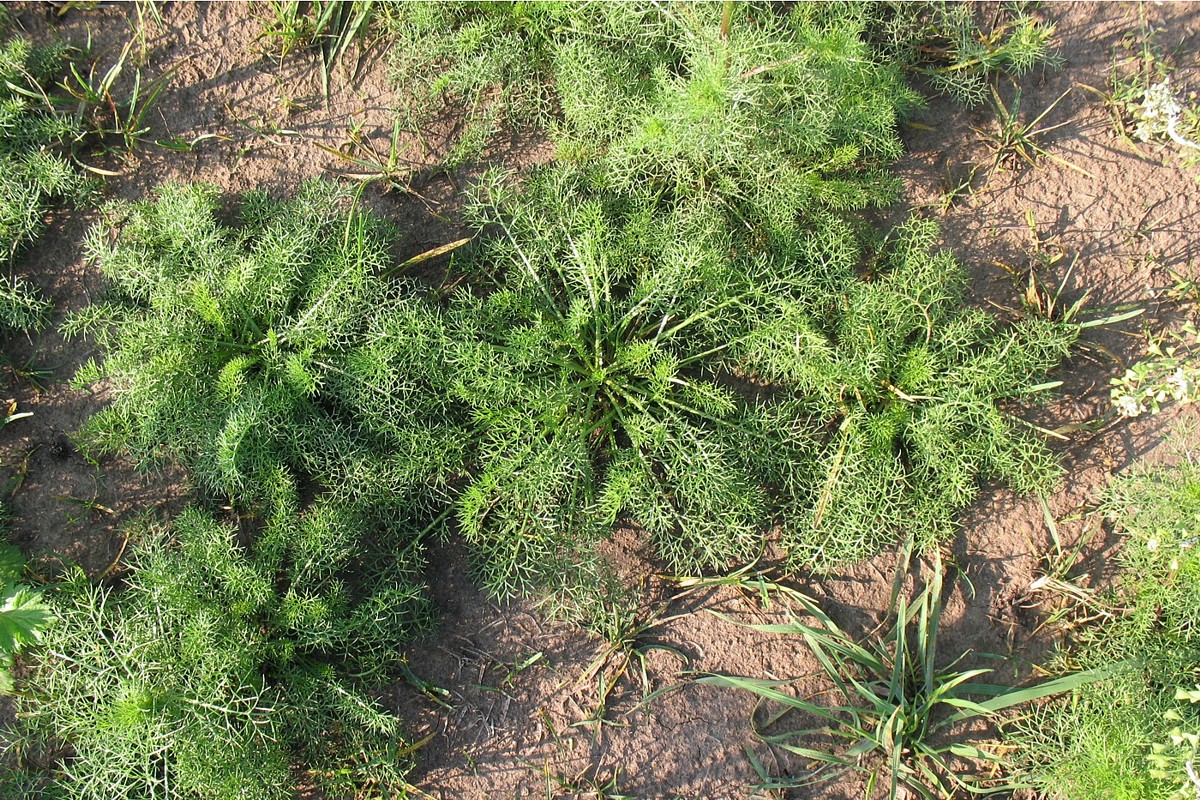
[528,707]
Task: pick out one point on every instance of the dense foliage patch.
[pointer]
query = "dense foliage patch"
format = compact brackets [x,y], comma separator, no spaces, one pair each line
[904,385]
[1134,735]
[33,172]
[220,665]
[472,73]
[224,346]
[679,323]
[239,647]
[592,362]
[684,322]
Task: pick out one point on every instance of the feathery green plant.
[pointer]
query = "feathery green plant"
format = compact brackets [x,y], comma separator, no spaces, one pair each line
[222,665]
[22,613]
[608,345]
[233,654]
[780,107]
[906,385]
[637,295]
[670,326]
[1114,739]
[563,67]
[773,116]
[486,60]
[34,172]
[223,346]
[21,306]
[608,363]
[959,47]
[584,362]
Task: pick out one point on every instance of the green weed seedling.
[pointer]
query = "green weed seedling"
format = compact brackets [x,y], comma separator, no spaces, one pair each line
[23,615]
[365,161]
[1080,605]
[625,656]
[1014,140]
[1042,300]
[109,114]
[584,786]
[332,26]
[1178,754]
[1167,373]
[895,704]
[36,375]
[22,308]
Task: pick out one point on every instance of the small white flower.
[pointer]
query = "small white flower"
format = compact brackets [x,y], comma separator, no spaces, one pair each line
[1152,544]
[1129,406]
[1180,385]
[1161,113]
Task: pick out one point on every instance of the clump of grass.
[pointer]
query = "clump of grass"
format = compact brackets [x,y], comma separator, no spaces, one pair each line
[103,111]
[1127,736]
[221,665]
[1013,139]
[894,701]
[331,26]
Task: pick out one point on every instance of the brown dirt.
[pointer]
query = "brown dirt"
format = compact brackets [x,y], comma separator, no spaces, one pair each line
[516,716]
